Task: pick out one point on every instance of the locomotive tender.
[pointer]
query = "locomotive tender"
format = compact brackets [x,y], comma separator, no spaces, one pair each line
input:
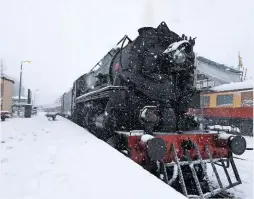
[136,99]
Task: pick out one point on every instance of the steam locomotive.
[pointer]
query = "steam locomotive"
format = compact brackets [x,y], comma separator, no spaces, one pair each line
[136,98]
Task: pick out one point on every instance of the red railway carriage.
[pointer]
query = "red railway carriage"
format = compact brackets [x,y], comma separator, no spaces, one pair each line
[230,105]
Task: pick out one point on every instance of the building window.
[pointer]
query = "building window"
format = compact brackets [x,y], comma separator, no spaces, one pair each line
[224,100]
[205,101]
[247,98]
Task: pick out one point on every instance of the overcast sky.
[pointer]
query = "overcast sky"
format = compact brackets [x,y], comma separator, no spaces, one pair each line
[65,38]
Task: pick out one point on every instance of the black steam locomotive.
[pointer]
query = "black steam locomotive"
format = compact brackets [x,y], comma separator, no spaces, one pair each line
[136,99]
[144,83]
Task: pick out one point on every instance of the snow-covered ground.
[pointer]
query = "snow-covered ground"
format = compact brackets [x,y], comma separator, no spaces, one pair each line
[58,159]
[244,164]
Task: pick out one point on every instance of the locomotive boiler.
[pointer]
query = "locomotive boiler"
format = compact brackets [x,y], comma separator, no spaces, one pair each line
[136,98]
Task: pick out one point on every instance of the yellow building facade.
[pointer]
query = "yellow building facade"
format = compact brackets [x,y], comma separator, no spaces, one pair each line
[6,94]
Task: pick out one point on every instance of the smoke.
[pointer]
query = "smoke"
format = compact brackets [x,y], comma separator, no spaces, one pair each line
[148,18]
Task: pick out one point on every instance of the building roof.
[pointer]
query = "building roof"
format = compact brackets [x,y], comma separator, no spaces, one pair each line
[247,84]
[8,79]
[222,66]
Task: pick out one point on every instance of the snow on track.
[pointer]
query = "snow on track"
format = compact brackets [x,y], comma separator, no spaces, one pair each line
[58,159]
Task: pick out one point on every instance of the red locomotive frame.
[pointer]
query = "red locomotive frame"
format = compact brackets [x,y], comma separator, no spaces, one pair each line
[189,149]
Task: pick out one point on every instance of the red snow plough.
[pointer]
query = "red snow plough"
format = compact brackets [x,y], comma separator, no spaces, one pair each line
[182,160]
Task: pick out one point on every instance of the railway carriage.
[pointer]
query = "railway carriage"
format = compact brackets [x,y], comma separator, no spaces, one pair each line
[230,105]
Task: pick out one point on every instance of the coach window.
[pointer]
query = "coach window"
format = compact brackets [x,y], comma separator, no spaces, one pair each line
[205,101]
[224,100]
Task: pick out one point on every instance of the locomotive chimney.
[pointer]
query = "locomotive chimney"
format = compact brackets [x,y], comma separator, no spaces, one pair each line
[147,32]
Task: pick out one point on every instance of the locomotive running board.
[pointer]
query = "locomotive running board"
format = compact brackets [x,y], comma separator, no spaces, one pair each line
[212,191]
[104,92]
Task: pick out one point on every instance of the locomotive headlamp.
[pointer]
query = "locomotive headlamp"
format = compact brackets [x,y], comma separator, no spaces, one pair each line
[179,56]
[156,147]
[149,114]
[237,144]
[177,51]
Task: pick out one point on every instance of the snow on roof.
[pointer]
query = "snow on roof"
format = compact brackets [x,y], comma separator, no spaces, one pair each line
[247,84]
[218,65]
[8,79]
[21,97]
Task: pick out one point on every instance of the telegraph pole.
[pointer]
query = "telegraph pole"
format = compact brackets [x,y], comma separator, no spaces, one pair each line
[20,79]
